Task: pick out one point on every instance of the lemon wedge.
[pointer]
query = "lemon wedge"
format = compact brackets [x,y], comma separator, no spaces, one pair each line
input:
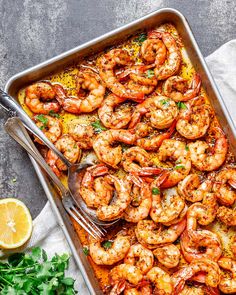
[15,223]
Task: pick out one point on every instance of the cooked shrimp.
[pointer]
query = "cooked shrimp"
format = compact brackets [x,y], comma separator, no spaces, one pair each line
[207,246]
[192,189]
[143,289]
[101,256]
[161,110]
[96,191]
[38,98]
[179,89]
[69,148]
[175,150]
[103,143]
[107,64]
[126,272]
[83,134]
[141,204]
[173,60]
[119,205]
[228,285]
[81,103]
[227,215]
[233,245]
[207,158]
[153,50]
[161,280]
[167,208]
[225,186]
[140,257]
[194,120]
[50,126]
[152,235]
[180,217]
[141,74]
[153,142]
[111,118]
[193,290]
[135,155]
[141,78]
[211,269]
[203,213]
[169,255]
[134,86]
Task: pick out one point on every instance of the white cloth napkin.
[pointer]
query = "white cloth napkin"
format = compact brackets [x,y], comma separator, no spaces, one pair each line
[47,233]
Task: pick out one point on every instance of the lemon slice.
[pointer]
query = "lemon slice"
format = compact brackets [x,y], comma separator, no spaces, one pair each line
[15,223]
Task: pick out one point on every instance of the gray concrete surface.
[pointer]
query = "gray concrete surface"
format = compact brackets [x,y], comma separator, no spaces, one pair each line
[33,31]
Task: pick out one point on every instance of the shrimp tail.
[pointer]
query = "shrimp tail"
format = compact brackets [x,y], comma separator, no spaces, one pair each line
[196,82]
[138,97]
[118,288]
[162,177]
[136,179]
[171,130]
[98,170]
[232,183]
[146,171]
[179,287]
[153,34]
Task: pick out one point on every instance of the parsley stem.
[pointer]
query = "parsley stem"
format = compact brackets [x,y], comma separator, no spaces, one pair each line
[6,281]
[21,268]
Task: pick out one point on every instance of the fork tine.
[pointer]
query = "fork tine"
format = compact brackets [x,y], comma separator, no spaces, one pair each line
[68,204]
[102,230]
[93,233]
[88,222]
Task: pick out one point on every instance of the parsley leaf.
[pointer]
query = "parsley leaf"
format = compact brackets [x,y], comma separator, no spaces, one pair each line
[53,114]
[107,245]
[98,127]
[181,105]
[150,73]
[86,251]
[141,38]
[155,191]
[186,148]
[179,167]
[34,273]
[41,118]
[165,102]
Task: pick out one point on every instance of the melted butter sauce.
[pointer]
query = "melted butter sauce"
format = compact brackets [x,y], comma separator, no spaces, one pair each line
[67,78]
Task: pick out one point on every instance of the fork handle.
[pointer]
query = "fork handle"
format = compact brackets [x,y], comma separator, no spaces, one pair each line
[14,110]
[15,128]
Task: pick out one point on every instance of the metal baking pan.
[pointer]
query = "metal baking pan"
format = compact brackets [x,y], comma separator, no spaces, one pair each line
[96,45]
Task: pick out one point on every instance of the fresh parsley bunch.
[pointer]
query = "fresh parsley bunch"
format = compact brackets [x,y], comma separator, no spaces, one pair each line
[35,274]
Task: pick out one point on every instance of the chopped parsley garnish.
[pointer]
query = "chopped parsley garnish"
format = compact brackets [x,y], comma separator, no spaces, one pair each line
[53,114]
[98,127]
[107,245]
[86,251]
[141,38]
[150,73]
[181,105]
[179,167]
[165,102]
[34,273]
[41,118]
[186,148]
[155,191]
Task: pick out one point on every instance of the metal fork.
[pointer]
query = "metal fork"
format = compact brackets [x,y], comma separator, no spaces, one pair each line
[15,128]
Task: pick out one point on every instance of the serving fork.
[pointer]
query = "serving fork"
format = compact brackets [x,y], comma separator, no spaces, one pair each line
[15,128]
[74,170]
